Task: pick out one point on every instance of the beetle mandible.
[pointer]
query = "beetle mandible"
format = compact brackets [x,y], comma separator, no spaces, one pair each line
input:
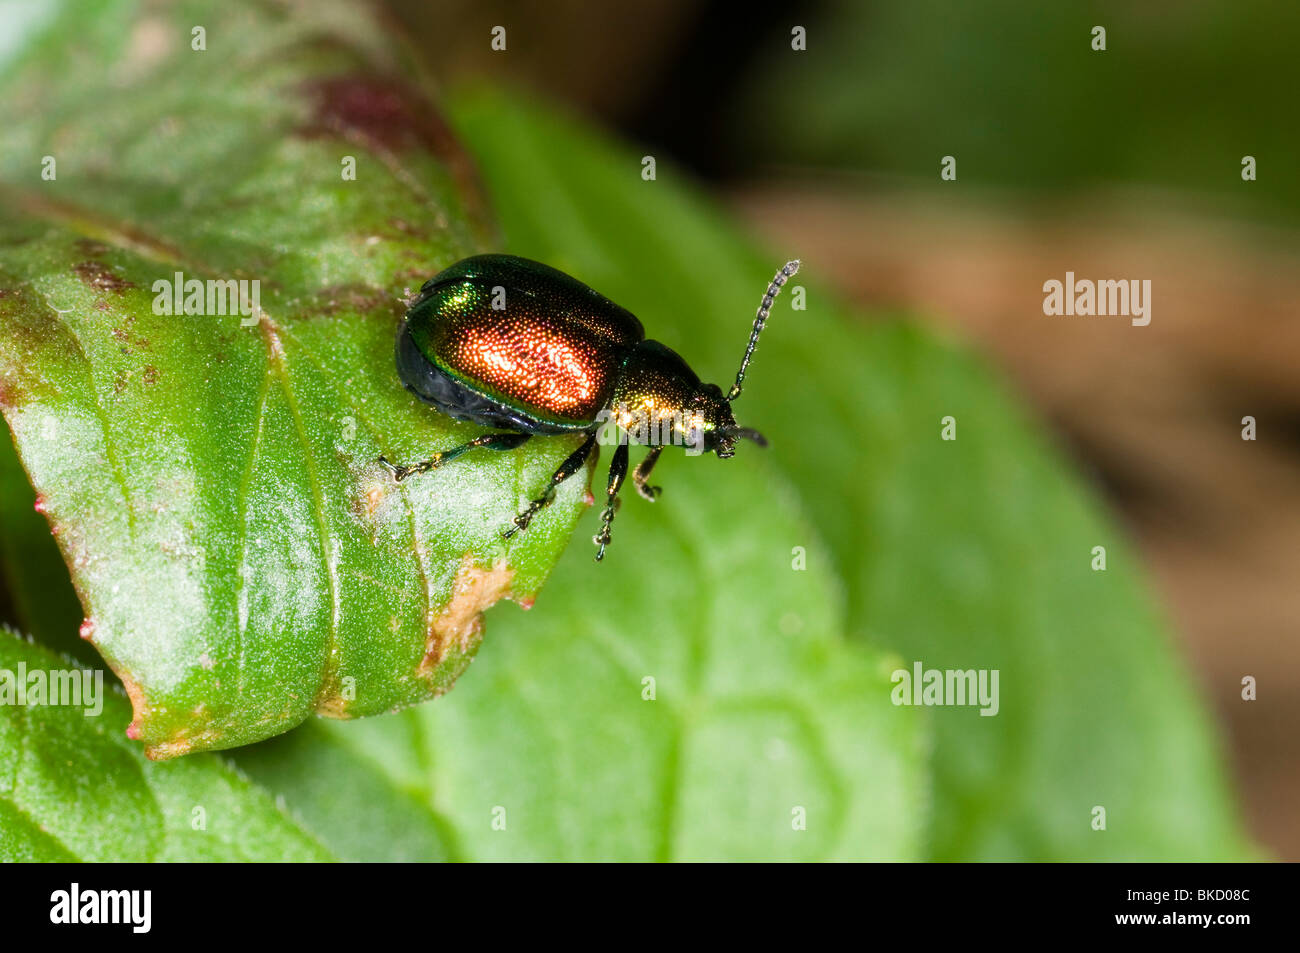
[559,358]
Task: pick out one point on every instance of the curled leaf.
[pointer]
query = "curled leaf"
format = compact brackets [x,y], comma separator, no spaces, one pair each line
[197,317]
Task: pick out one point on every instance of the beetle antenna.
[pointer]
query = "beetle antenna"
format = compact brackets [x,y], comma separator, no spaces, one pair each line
[781,277]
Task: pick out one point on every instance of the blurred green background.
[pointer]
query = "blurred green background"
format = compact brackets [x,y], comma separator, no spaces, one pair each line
[1122,163]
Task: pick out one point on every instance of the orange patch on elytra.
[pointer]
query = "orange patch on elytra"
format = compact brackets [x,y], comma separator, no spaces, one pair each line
[474,590]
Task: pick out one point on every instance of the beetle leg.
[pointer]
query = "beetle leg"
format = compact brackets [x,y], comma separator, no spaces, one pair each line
[571,465]
[492,441]
[642,473]
[617,470]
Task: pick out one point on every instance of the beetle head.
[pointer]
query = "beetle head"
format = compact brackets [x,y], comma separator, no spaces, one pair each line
[720,429]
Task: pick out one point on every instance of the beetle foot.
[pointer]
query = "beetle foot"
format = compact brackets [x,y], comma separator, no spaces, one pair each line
[398,471]
[603,538]
[520,524]
[647,492]
[401,471]
[522,521]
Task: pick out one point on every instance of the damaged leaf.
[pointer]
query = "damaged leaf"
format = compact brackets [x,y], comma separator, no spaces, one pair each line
[197,319]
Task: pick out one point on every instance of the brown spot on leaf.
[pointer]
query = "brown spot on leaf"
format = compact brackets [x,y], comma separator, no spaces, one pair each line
[90,247]
[419,275]
[461,622]
[403,227]
[152,39]
[332,706]
[353,299]
[166,750]
[97,276]
[28,323]
[375,495]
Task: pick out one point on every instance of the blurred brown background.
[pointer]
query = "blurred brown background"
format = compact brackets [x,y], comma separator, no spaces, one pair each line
[1117,164]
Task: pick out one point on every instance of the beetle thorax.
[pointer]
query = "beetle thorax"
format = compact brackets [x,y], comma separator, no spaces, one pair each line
[651,421]
[659,401]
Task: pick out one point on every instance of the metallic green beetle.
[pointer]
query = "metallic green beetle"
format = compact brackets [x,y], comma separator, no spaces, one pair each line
[518,346]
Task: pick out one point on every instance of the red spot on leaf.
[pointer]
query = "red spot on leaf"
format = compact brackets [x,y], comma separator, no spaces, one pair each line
[389,115]
[384,112]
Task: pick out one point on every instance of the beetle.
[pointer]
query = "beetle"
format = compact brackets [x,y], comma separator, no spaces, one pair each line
[528,350]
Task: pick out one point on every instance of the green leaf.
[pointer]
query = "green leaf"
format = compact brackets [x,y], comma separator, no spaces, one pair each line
[970,554]
[973,553]
[762,717]
[72,787]
[33,576]
[241,559]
